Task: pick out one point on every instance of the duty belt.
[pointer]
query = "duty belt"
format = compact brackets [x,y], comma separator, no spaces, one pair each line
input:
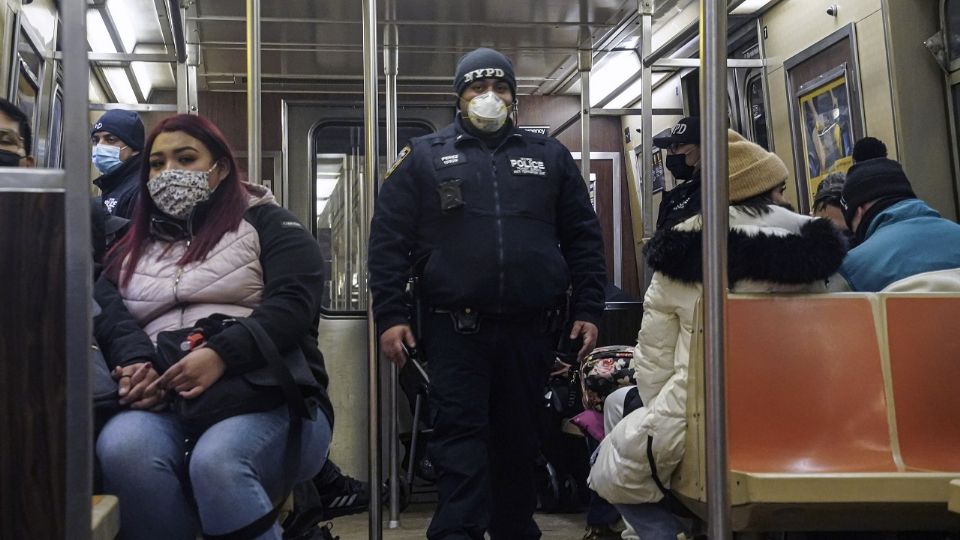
[467,320]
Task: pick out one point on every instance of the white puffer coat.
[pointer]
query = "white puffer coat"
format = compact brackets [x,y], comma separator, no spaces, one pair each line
[777,251]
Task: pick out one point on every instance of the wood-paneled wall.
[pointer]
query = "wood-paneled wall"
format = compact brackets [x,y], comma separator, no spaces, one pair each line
[32,366]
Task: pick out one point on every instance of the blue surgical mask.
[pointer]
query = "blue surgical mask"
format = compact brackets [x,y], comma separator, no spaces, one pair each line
[106,158]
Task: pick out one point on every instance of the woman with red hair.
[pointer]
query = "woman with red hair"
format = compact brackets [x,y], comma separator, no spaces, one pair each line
[203,241]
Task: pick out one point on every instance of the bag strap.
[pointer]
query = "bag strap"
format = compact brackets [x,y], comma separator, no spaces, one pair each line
[671,502]
[297,406]
[291,391]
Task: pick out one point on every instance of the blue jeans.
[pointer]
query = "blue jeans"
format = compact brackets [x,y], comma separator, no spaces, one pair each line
[651,521]
[235,471]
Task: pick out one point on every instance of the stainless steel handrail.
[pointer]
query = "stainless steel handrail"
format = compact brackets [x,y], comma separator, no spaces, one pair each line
[713,136]
[253,91]
[646,132]
[372,153]
[79,271]
[390,68]
[585,59]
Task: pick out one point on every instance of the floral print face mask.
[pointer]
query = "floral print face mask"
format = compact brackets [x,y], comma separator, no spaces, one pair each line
[177,192]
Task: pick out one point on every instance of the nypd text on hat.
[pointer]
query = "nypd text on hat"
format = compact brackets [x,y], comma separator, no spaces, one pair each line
[99,125]
[679,129]
[483,73]
[528,166]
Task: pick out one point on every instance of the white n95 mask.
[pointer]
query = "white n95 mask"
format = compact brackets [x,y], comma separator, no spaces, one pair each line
[487,112]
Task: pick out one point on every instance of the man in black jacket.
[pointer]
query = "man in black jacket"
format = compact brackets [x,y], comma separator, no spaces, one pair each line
[497,223]
[117,139]
[683,161]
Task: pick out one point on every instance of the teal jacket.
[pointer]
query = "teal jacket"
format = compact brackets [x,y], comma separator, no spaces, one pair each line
[906,239]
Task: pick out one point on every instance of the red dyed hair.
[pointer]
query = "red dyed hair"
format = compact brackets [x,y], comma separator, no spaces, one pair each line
[222,213]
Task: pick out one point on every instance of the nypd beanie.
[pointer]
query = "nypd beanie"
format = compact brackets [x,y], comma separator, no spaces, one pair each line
[126,125]
[484,63]
[752,170]
[878,178]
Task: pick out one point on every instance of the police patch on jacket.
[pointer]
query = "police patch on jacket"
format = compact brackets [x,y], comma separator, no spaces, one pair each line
[396,163]
[527,167]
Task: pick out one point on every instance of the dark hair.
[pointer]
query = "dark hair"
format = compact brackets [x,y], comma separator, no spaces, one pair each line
[758,205]
[869,148]
[220,215]
[15,114]
[829,191]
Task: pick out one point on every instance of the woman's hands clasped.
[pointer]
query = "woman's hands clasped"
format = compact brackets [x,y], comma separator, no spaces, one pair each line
[193,374]
[136,388]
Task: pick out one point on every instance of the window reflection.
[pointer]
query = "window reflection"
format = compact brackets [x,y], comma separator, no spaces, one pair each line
[339,183]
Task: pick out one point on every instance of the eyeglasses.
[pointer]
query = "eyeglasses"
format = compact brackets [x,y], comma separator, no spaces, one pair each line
[9,137]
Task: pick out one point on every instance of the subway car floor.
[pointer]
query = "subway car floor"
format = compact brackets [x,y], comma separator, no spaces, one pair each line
[415,519]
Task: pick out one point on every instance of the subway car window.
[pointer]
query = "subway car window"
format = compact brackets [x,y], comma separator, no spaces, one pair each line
[29,75]
[953,29]
[338,214]
[758,111]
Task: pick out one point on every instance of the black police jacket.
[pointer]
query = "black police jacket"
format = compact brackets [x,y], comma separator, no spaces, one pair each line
[679,204]
[120,187]
[502,231]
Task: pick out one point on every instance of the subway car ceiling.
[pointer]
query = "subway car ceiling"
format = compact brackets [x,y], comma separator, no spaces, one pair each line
[311,51]
[314,48]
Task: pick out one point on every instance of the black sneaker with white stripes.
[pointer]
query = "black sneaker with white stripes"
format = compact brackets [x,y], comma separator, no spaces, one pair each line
[340,494]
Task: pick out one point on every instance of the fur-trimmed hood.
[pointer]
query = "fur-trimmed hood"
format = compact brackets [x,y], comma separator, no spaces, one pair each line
[779,247]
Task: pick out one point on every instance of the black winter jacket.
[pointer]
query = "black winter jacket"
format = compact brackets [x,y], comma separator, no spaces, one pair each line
[120,187]
[679,204]
[289,310]
[502,231]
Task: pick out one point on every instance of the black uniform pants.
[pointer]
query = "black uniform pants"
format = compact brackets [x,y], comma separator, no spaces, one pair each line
[486,395]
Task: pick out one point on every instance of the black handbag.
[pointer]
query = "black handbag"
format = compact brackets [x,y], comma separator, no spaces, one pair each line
[262,389]
[280,381]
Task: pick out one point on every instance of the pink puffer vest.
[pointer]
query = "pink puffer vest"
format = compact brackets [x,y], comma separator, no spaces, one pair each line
[164,296]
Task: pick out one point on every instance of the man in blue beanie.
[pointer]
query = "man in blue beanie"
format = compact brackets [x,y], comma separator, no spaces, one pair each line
[496,223]
[117,139]
[903,245]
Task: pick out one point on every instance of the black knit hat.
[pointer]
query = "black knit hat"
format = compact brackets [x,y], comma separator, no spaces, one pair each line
[484,63]
[126,125]
[868,148]
[870,180]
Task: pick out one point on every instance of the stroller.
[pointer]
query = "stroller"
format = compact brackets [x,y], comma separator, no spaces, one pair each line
[574,398]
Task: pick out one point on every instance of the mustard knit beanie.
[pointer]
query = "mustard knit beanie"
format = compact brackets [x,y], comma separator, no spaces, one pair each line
[752,169]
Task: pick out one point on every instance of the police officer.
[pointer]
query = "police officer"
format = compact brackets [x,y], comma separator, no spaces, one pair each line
[117,140]
[498,224]
[683,161]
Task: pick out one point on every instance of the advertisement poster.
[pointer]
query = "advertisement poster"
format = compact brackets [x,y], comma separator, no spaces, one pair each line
[826,129]
[656,170]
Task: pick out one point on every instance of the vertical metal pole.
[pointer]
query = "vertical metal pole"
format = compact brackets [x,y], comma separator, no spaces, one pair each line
[79,271]
[253,91]
[13,69]
[193,106]
[183,101]
[371,154]
[585,65]
[646,130]
[713,66]
[390,58]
